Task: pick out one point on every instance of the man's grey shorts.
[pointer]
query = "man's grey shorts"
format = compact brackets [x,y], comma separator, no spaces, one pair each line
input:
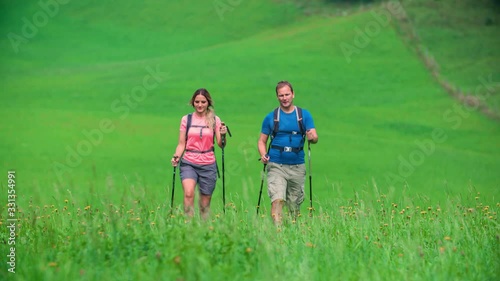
[204,175]
[286,182]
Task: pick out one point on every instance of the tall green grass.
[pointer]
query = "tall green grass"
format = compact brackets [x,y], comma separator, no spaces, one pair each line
[384,238]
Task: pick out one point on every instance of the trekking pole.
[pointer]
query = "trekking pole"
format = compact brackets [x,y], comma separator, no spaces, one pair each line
[263,175]
[261,186]
[310,179]
[223,176]
[223,170]
[173,190]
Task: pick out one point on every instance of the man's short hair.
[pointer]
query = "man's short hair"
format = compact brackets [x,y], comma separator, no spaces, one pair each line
[282,84]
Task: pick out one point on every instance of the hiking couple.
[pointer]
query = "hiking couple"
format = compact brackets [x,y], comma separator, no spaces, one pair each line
[288,127]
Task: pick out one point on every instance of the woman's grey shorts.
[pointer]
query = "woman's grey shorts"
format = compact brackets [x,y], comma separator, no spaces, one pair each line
[204,175]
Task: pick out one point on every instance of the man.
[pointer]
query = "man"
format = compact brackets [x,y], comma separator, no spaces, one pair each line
[286,169]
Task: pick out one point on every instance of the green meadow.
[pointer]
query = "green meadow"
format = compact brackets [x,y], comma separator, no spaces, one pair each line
[405,177]
[460,36]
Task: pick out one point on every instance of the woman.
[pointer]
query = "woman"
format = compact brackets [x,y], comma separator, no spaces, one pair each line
[195,152]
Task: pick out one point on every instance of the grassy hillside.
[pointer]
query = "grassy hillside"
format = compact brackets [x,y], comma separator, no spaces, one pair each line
[372,114]
[96,31]
[461,35]
[458,35]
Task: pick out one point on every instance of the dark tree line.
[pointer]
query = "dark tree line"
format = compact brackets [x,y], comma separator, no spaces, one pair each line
[371,1]
[352,1]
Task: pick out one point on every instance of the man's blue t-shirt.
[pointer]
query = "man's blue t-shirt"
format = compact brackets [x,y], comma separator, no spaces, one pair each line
[287,136]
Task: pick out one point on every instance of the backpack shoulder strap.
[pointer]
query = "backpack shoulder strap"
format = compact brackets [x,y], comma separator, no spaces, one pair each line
[300,121]
[214,128]
[188,124]
[276,118]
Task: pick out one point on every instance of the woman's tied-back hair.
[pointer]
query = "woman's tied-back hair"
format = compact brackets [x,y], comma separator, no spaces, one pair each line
[282,84]
[209,117]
